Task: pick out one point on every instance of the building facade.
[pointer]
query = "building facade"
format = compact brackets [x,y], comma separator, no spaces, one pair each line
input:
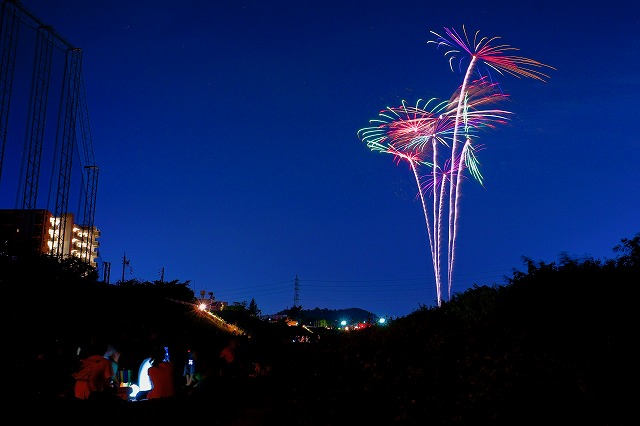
[38,231]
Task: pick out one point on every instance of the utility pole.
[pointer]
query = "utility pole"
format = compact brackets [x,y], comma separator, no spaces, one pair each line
[107,272]
[125,262]
[296,292]
[162,275]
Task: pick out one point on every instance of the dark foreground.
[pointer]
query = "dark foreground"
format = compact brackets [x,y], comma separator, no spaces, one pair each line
[555,345]
[350,382]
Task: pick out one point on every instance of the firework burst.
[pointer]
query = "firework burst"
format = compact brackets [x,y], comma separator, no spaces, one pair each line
[418,133]
[479,53]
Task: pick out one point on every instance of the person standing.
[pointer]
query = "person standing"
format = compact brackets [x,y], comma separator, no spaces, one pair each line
[189,370]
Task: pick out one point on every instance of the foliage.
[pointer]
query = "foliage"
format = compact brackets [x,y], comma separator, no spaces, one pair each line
[293,312]
[37,268]
[253,308]
[629,252]
[552,342]
[331,317]
[158,289]
[250,309]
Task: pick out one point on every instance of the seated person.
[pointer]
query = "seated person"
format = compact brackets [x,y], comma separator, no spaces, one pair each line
[162,376]
[95,375]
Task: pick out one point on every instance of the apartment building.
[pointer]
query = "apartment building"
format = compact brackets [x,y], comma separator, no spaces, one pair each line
[40,231]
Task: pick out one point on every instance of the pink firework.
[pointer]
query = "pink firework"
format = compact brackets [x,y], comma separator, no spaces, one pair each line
[410,133]
[479,52]
[416,134]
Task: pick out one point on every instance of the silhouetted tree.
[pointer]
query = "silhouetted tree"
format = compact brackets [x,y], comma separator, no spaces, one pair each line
[238,306]
[294,312]
[629,251]
[253,308]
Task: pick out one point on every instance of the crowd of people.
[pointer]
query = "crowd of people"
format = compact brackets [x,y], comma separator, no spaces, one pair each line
[97,371]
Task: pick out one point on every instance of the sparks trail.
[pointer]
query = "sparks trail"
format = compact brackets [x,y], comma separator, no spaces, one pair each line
[417,134]
[480,52]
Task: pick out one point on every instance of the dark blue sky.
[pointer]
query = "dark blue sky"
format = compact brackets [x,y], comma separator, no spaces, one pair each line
[226,136]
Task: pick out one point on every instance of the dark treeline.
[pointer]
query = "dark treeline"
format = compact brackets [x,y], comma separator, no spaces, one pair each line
[554,343]
[330,317]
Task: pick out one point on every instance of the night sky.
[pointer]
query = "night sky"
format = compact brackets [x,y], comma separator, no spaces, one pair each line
[226,137]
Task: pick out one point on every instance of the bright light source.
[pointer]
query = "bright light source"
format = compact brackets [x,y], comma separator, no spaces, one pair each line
[202,306]
[343,323]
[144,382]
[381,320]
[134,391]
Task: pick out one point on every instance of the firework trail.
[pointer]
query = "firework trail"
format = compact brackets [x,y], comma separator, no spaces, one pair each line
[412,134]
[417,134]
[480,52]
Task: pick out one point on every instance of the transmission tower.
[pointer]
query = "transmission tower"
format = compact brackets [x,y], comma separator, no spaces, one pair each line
[296,292]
